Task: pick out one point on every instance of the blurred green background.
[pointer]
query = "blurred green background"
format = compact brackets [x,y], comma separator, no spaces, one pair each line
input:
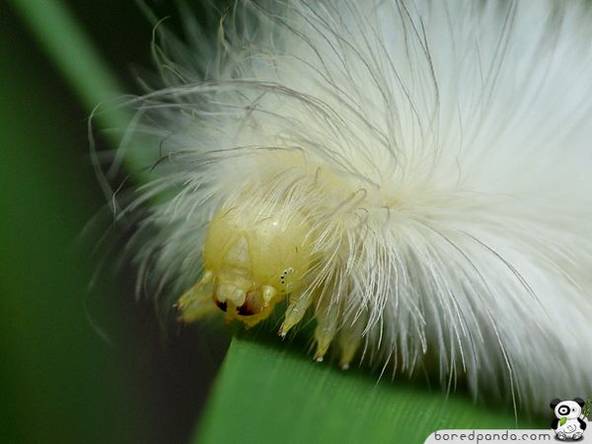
[80,366]
[60,380]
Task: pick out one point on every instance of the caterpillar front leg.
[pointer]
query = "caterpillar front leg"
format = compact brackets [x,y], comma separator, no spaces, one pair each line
[297,306]
[198,301]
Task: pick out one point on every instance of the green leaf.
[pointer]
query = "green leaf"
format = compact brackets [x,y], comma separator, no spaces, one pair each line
[562,420]
[269,391]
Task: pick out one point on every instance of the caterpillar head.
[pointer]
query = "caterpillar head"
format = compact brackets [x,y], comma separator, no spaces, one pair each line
[251,262]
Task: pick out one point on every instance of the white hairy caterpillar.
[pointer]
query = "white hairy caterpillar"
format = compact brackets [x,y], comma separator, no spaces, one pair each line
[413,174]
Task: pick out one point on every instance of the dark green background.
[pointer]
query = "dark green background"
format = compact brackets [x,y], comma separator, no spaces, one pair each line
[60,380]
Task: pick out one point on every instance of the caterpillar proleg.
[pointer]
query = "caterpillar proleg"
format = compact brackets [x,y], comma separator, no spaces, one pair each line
[414,175]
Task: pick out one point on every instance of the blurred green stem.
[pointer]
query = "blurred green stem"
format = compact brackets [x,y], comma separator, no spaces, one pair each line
[70,49]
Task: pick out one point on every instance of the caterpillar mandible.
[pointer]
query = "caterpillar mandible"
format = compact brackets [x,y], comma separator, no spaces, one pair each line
[413,174]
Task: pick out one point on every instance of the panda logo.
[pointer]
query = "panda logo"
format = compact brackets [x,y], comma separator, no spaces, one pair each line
[568,423]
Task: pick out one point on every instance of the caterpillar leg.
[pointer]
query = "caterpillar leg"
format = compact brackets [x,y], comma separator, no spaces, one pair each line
[296,310]
[349,339]
[197,302]
[327,316]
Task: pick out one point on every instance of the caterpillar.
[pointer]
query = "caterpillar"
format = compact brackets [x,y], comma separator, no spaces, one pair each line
[413,175]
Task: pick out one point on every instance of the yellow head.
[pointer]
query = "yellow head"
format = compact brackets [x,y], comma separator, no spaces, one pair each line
[251,262]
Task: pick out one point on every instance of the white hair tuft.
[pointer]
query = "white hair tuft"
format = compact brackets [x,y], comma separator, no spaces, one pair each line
[432,158]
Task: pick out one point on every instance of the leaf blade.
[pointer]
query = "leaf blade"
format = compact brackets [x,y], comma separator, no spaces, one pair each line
[271,392]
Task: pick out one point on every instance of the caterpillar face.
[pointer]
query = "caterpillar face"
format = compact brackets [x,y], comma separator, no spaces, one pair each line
[251,262]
